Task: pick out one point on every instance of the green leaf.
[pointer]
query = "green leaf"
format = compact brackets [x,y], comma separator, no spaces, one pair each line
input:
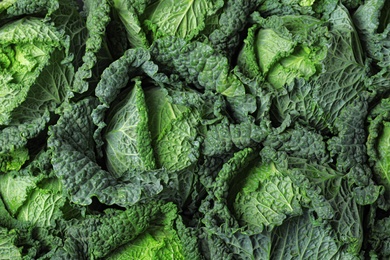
[75,163]
[113,80]
[174,131]
[282,48]
[300,142]
[377,144]
[43,206]
[128,141]
[197,63]
[13,161]
[96,236]
[95,57]
[270,47]
[15,190]
[266,198]
[159,241]
[30,7]
[382,165]
[128,13]
[345,68]
[230,23]
[318,102]
[349,146]
[300,238]
[26,47]
[182,19]
[379,238]
[225,136]
[8,249]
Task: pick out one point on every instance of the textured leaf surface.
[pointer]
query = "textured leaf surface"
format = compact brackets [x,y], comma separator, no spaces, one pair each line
[198,64]
[267,198]
[128,142]
[182,19]
[299,238]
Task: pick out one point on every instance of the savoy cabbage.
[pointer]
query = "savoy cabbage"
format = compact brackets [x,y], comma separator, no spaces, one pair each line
[167,129]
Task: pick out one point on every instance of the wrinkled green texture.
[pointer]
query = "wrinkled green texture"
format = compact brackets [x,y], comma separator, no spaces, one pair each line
[167,129]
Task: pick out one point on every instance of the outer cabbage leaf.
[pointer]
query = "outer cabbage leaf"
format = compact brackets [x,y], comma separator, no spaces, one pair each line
[300,238]
[69,19]
[113,80]
[43,206]
[75,163]
[13,161]
[333,196]
[379,238]
[128,13]
[372,22]
[15,190]
[345,70]
[222,236]
[349,146]
[50,53]
[229,24]
[197,63]
[5,4]
[146,21]
[15,8]
[299,142]
[33,203]
[316,8]
[176,123]
[96,56]
[231,243]
[224,137]
[33,195]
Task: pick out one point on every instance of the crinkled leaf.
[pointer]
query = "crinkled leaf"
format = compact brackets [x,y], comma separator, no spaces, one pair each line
[266,198]
[8,249]
[300,238]
[183,19]
[197,63]
[128,141]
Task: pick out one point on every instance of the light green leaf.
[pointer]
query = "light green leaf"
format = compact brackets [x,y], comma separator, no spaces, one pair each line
[15,189]
[128,141]
[266,198]
[8,250]
[159,241]
[43,205]
[382,166]
[160,111]
[270,47]
[177,146]
[128,15]
[13,161]
[26,47]
[184,19]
